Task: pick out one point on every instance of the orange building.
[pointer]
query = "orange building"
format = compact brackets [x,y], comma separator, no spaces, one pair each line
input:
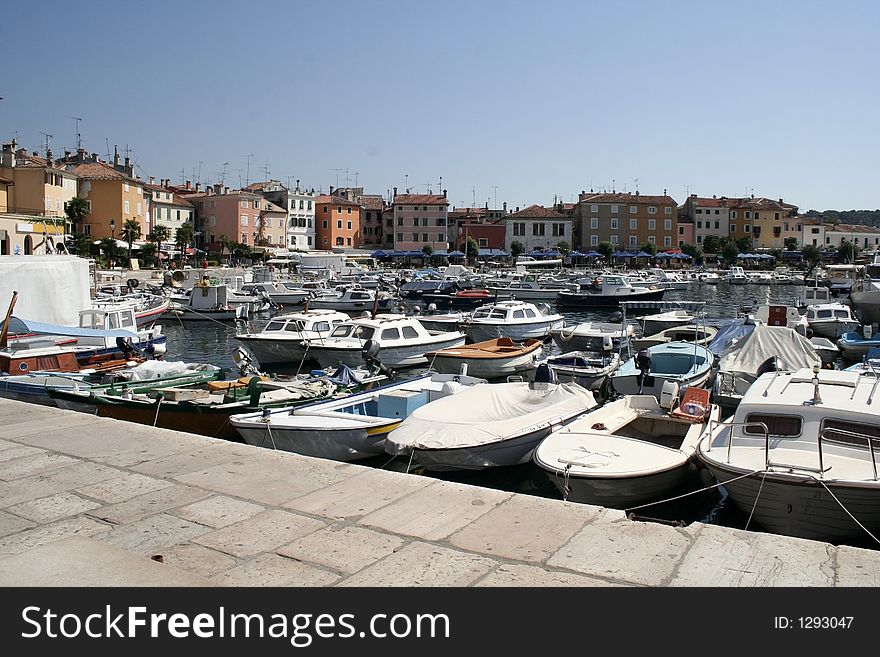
[337,222]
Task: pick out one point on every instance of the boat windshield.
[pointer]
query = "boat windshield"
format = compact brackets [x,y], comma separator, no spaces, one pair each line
[274,326]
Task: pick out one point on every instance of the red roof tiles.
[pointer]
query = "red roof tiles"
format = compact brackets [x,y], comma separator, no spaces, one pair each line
[420,199]
[537,212]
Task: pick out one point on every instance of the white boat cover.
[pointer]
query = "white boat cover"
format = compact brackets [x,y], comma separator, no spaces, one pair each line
[485,414]
[792,349]
[51,289]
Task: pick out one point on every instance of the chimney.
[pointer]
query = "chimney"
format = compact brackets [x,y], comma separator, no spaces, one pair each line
[115,157]
[297,184]
[395,193]
[198,186]
[664,191]
[217,188]
[188,184]
[49,157]
[517,209]
[444,193]
[504,207]
[331,190]
[95,157]
[780,201]
[152,178]
[7,159]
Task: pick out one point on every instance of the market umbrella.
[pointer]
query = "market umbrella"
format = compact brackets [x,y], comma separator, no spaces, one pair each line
[378,254]
[456,254]
[643,254]
[593,254]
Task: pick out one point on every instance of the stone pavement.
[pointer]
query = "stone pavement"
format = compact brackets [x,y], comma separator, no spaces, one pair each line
[88,501]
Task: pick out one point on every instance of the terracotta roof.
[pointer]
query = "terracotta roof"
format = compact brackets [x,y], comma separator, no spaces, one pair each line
[537,212]
[256,187]
[98,171]
[372,201]
[461,213]
[761,203]
[702,202]
[420,199]
[852,228]
[334,200]
[627,198]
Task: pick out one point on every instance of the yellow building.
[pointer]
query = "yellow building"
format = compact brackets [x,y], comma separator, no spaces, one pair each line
[39,187]
[761,219]
[113,194]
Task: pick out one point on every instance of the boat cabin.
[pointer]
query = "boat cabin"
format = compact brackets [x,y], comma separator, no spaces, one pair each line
[507,310]
[317,321]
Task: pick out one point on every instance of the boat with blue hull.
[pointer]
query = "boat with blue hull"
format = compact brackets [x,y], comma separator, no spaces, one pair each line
[680,364]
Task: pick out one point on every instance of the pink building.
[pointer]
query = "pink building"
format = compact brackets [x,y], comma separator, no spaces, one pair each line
[685,231]
[241,216]
[419,220]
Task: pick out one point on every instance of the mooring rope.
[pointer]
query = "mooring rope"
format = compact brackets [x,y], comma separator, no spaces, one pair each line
[866,530]
[757,497]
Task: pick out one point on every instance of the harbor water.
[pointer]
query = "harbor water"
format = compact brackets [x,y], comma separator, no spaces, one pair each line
[215,343]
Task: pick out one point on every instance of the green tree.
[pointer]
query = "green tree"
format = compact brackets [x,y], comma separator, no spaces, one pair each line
[427,250]
[649,247]
[812,256]
[694,252]
[744,244]
[790,243]
[110,250]
[729,252]
[183,239]
[606,249]
[131,231]
[712,244]
[76,210]
[470,248]
[148,253]
[225,245]
[516,249]
[563,247]
[847,252]
[160,234]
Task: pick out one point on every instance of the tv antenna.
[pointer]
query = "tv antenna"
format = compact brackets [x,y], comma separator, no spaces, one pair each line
[248,173]
[356,173]
[47,137]
[78,136]
[199,176]
[636,183]
[266,170]
[406,182]
[474,193]
[337,175]
[223,175]
[495,187]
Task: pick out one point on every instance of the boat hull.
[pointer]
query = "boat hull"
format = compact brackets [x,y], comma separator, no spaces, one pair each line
[581,300]
[484,367]
[392,356]
[478,332]
[345,444]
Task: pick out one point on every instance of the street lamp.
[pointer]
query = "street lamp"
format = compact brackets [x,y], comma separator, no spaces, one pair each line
[113,228]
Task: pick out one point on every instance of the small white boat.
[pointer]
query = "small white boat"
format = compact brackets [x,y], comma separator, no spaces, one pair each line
[490,359]
[207,302]
[709,278]
[395,340]
[530,288]
[518,320]
[495,425]
[278,293]
[799,456]
[774,314]
[450,321]
[652,324]
[351,428]
[831,320]
[282,339]
[680,364]
[667,280]
[593,336]
[355,299]
[735,276]
[828,351]
[627,452]
[699,334]
[589,369]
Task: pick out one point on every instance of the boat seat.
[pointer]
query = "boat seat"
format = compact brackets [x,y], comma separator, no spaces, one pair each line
[694,406]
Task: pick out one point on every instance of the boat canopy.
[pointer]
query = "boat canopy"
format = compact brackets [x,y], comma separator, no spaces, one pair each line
[19,326]
[792,350]
[485,414]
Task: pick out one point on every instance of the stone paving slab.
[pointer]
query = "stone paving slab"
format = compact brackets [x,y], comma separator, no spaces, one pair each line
[343,549]
[33,538]
[149,504]
[358,495]
[534,576]
[422,564]
[32,429]
[733,557]
[81,561]
[528,529]
[265,476]
[123,487]
[64,479]
[857,567]
[192,460]
[219,511]
[198,559]
[11,451]
[12,524]
[263,532]
[153,534]
[36,464]
[54,507]
[635,552]
[452,507]
[275,570]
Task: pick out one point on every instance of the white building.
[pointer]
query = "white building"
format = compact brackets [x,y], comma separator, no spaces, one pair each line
[166,208]
[537,227]
[711,216]
[866,237]
[300,206]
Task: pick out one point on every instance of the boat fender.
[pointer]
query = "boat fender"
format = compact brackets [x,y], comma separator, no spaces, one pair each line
[132,283]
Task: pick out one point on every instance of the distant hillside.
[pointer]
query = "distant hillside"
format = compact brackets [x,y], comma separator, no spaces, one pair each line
[865,217]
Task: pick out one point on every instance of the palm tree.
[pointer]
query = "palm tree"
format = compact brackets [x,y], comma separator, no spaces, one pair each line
[77,209]
[131,231]
[183,239]
[160,234]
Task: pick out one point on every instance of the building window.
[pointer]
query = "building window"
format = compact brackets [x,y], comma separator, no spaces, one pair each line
[244,238]
[699,211]
[613,209]
[244,220]
[126,187]
[399,237]
[400,221]
[733,214]
[339,223]
[667,241]
[325,224]
[338,209]
[633,223]
[615,239]
[325,209]
[594,222]
[537,230]
[483,242]
[747,228]
[415,237]
[717,225]
[667,210]
[127,210]
[667,224]
[349,209]
[339,241]
[652,239]
[716,211]
[776,216]
[594,208]
[633,241]
[652,224]
[348,225]
[652,209]
[633,209]
[256,205]
[613,223]
[699,239]
[681,230]
[558,230]
[140,208]
[594,240]
[732,228]
[748,215]
[348,241]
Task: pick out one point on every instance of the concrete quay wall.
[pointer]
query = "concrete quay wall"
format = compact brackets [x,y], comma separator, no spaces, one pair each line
[88,501]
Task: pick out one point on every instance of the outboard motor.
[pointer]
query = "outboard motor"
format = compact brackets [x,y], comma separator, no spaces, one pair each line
[643,364]
[616,317]
[544,377]
[370,353]
[128,350]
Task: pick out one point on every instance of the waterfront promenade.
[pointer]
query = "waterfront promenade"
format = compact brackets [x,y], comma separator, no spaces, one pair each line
[88,501]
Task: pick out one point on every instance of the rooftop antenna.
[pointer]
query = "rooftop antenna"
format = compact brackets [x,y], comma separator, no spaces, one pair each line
[347,178]
[474,193]
[356,174]
[47,137]
[108,147]
[248,174]
[495,187]
[199,176]
[337,175]
[78,136]
[266,170]
[223,175]
[239,178]
[636,182]
[406,182]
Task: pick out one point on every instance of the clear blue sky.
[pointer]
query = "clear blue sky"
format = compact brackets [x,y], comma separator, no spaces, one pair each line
[779,99]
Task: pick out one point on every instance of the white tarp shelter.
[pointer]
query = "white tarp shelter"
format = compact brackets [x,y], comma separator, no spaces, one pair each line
[51,288]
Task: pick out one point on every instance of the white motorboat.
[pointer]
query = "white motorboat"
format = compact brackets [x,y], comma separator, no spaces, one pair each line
[608,291]
[665,279]
[629,451]
[774,314]
[735,276]
[351,428]
[679,364]
[278,293]
[530,288]
[765,348]
[865,297]
[841,278]
[831,320]
[207,301]
[593,336]
[450,321]
[709,278]
[760,278]
[395,340]
[495,425]
[828,351]
[490,359]
[589,369]
[517,320]
[699,334]
[799,454]
[282,339]
[355,299]
[652,324]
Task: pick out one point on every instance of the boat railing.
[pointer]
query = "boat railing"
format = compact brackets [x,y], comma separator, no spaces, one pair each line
[730,425]
[870,440]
